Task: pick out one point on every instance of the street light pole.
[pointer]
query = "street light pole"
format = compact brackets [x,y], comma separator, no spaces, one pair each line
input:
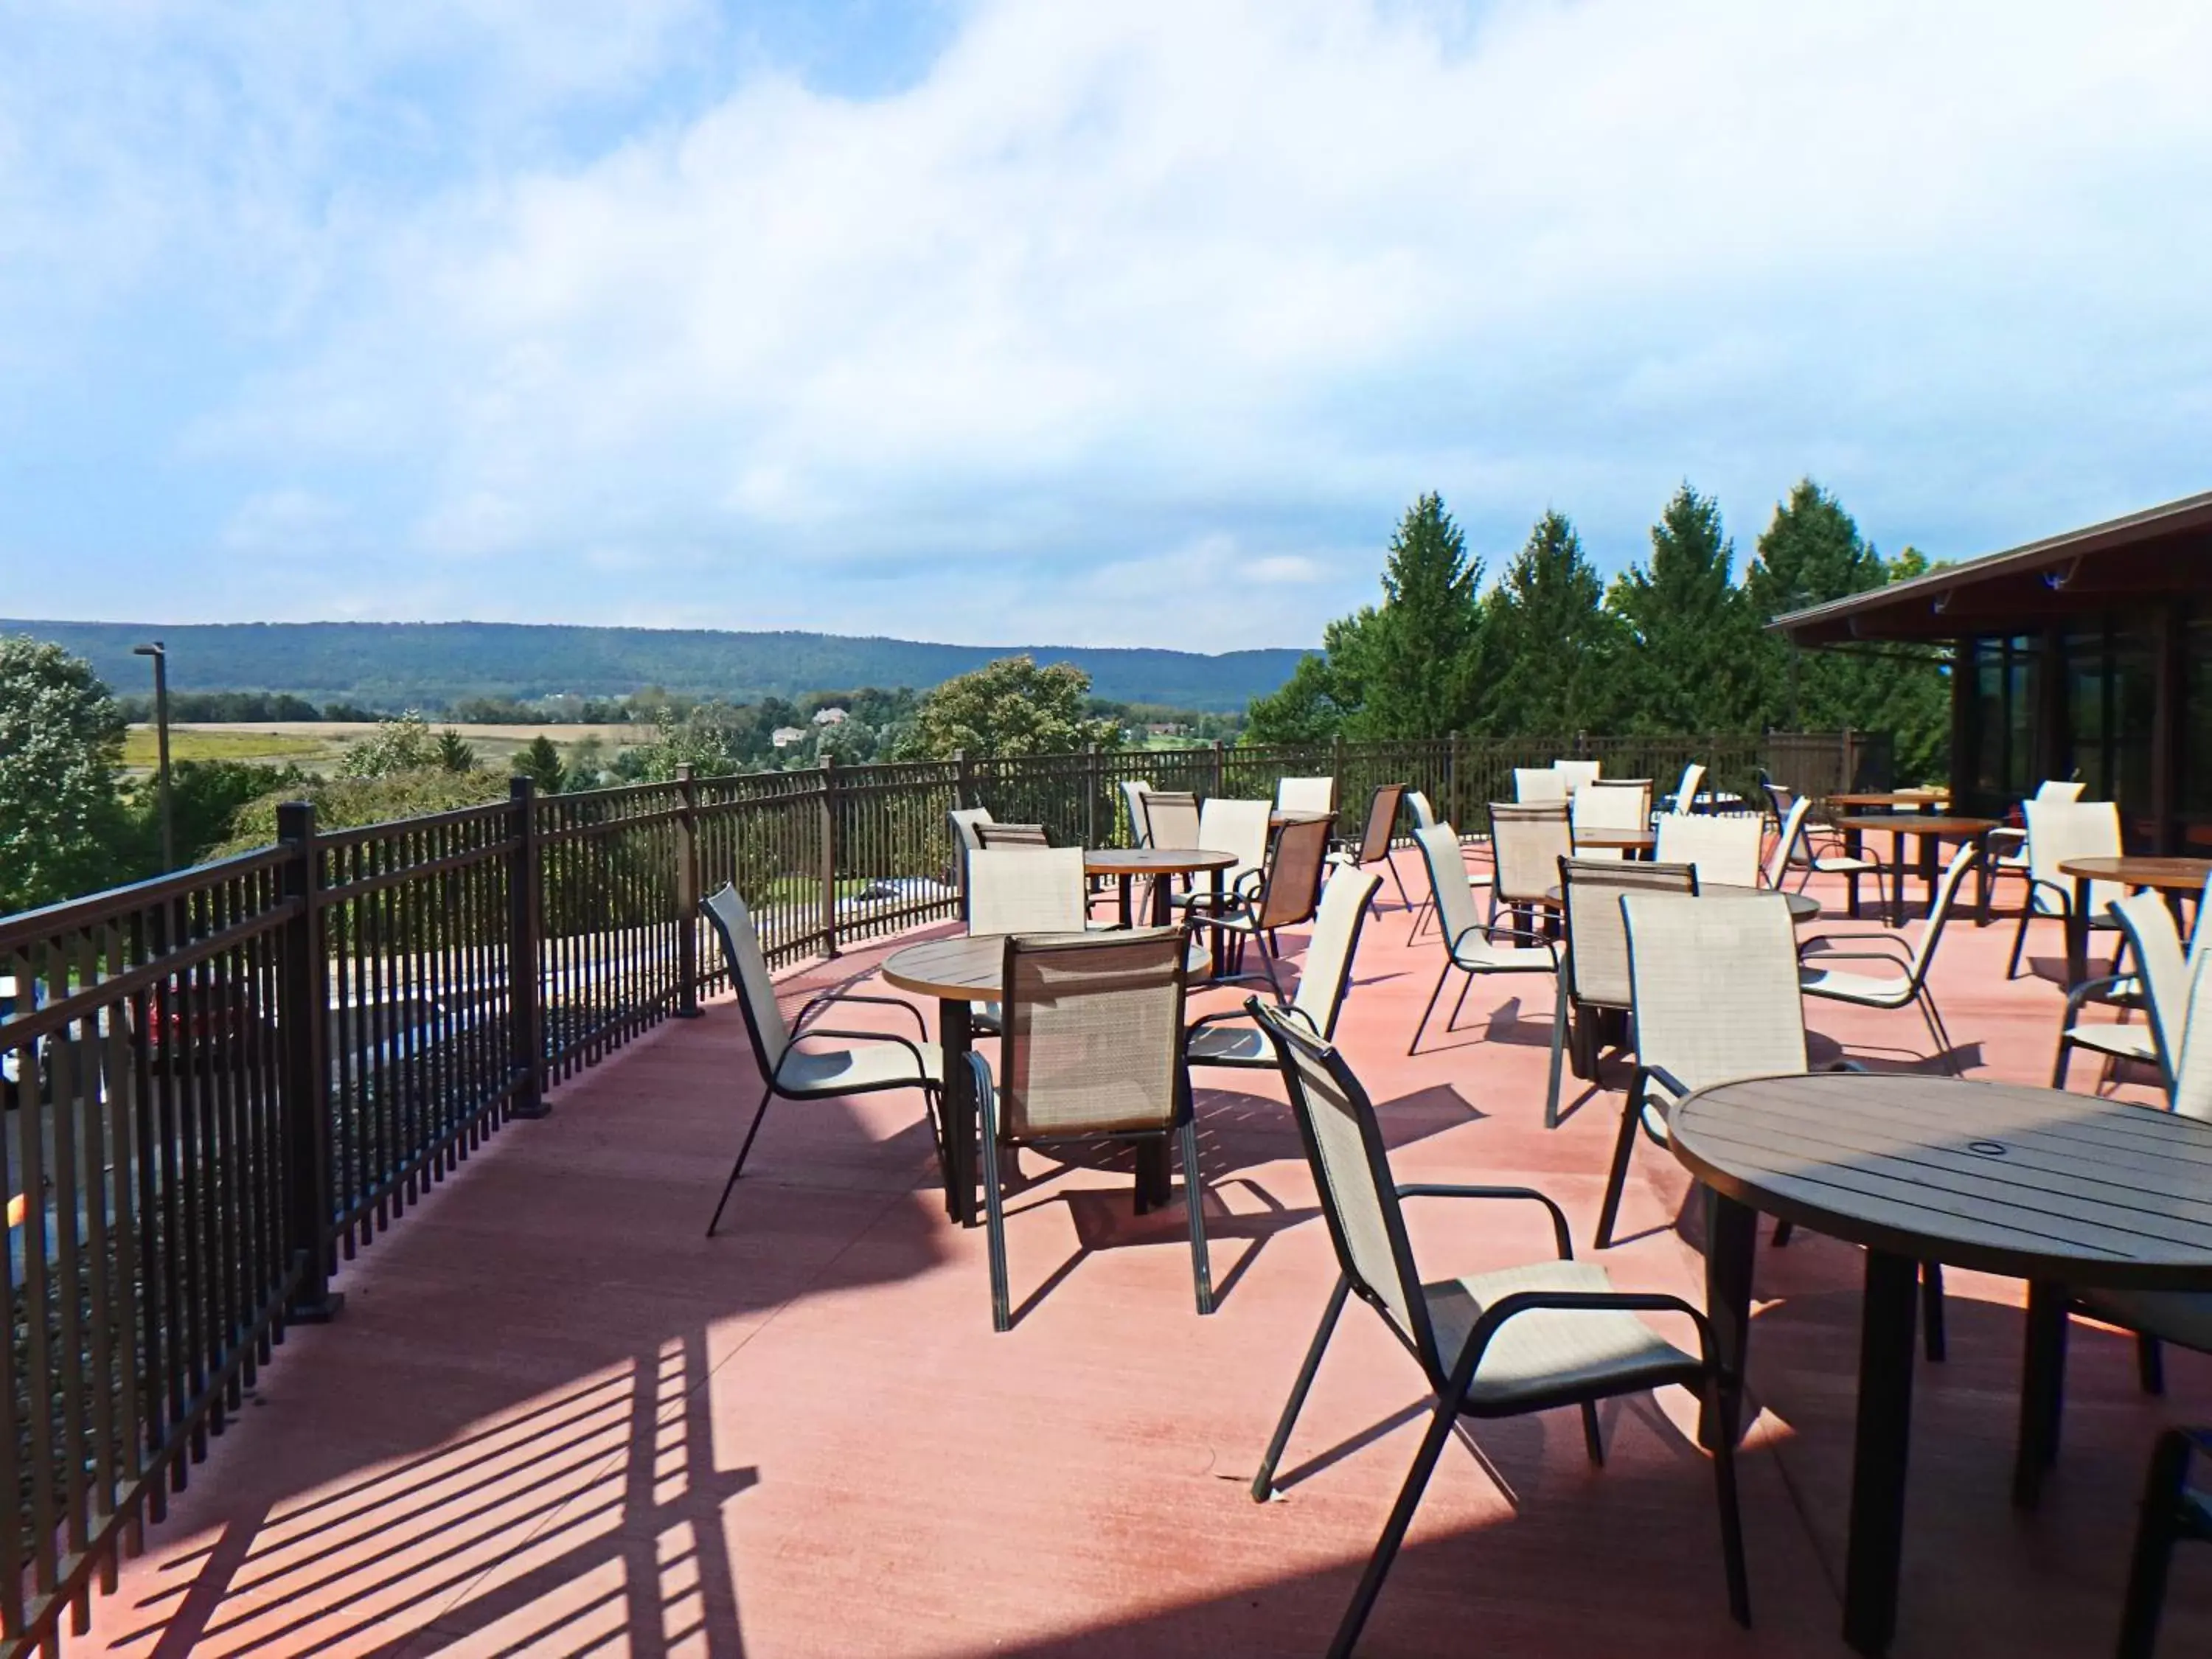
[160,653]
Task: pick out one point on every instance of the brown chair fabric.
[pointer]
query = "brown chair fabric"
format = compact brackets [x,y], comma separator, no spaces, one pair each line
[1093,1043]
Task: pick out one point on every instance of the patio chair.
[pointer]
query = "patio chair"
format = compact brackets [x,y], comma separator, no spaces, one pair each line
[1218,1040]
[963,821]
[1425,817]
[1788,831]
[1724,847]
[1539,786]
[1603,805]
[1575,774]
[1527,843]
[1685,792]
[1093,1051]
[1171,819]
[1710,982]
[2059,830]
[2172,1512]
[1226,825]
[2157,1317]
[1133,791]
[2159,984]
[1908,985]
[1471,944]
[1288,893]
[1594,978]
[1306,795]
[1373,846]
[1494,1345]
[1817,848]
[1027,890]
[988,835]
[793,1073]
[2007,845]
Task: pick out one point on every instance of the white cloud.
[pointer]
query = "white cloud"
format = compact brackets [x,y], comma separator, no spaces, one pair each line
[1112,289]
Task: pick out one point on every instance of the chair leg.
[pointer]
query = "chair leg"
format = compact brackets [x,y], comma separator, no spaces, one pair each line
[1623,1144]
[1931,1312]
[1391,863]
[1263,1484]
[2065,1059]
[2150,1364]
[1782,1231]
[1267,963]
[1559,1045]
[994,1213]
[1732,1559]
[1194,1198]
[2155,1534]
[1941,1038]
[2020,936]
[1449,965]
[1394,1530]
[1459,1005]
[1592,1436]
[759,1112]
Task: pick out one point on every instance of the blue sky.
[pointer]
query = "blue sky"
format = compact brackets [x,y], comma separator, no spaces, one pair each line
[1009,322]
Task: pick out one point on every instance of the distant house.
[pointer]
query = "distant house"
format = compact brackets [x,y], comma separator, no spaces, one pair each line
[1166,729]
[830,717]
[784,736]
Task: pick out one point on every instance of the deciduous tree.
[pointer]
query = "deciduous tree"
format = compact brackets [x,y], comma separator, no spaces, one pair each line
[61,744]
[1009,707]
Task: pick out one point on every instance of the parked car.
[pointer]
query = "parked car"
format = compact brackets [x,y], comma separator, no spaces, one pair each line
[217,1024]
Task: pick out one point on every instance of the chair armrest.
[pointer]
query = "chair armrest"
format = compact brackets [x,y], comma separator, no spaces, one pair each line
[1815,964]
[1214,1020]
[816,1004]
[2089,991]
[1498,930]
[1665,1079]
[906,1043]
[1505,1308]
[1434,1190]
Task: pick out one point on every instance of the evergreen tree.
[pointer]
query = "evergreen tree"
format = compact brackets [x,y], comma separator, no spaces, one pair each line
[1694,660]
[1425,638]
[540,763]
[1553,641]
[1812,552]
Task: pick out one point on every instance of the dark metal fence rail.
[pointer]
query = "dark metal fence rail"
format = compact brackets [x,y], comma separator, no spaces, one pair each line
[221,1081]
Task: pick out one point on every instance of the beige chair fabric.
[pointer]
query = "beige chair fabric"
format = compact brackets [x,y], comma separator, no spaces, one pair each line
[1026,889]
[1172,815]
[1786,840]
[1713,987]
[1597,939]
[1011,834]
[1226,825]
[1538,786]
[2192,1081]
[964,820]
[1577,773]
[1416,802]
[1094,1035]
[1685,792]
[1529,841]
[748,968]
[2060,789]
[1466,937]
[1325,976]
[1600,806]
[1905,981]
[2058,831]
[1724,849]
[1305,795]
[1133,791]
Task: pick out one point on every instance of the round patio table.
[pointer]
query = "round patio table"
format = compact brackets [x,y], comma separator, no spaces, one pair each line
[2176,878]
[1126,863]
[1803,907]
[2059,1189]
[1932,829]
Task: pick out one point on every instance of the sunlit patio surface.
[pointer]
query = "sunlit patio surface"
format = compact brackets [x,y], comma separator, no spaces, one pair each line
[554,1419]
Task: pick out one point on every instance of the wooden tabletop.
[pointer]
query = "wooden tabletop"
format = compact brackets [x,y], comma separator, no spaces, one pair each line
[1913,798]
[972,967]
[2030,1183]
[1921,823]
[1624,840]
[1152,860]
[1803,907]
[2167,875]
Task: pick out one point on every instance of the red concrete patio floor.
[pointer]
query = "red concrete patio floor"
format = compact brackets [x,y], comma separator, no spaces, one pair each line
[556,1419]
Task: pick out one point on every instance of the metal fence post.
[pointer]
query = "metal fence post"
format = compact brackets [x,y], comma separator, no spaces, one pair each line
[687,896]
[526,919]
[830,853]
[963,781]
[1850,768]
[1093,784]
[1216,789]
[303,1024]
[1450,791]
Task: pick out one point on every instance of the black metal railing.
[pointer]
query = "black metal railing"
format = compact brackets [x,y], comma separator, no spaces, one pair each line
[221,1083]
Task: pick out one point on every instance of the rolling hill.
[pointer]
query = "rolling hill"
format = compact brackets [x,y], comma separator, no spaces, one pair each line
[401,664]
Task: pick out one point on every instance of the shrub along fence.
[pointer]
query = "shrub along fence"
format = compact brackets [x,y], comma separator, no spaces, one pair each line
[220,1083]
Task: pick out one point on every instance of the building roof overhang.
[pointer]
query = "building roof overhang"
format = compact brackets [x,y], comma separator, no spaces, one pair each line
[2163,552]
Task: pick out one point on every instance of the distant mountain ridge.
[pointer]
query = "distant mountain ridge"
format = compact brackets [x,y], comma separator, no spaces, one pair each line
[398,665]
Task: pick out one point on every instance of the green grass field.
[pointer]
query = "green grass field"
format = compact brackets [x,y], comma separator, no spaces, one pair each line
[319,747]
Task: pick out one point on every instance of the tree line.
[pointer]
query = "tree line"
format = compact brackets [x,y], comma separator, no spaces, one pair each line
[1677,643]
